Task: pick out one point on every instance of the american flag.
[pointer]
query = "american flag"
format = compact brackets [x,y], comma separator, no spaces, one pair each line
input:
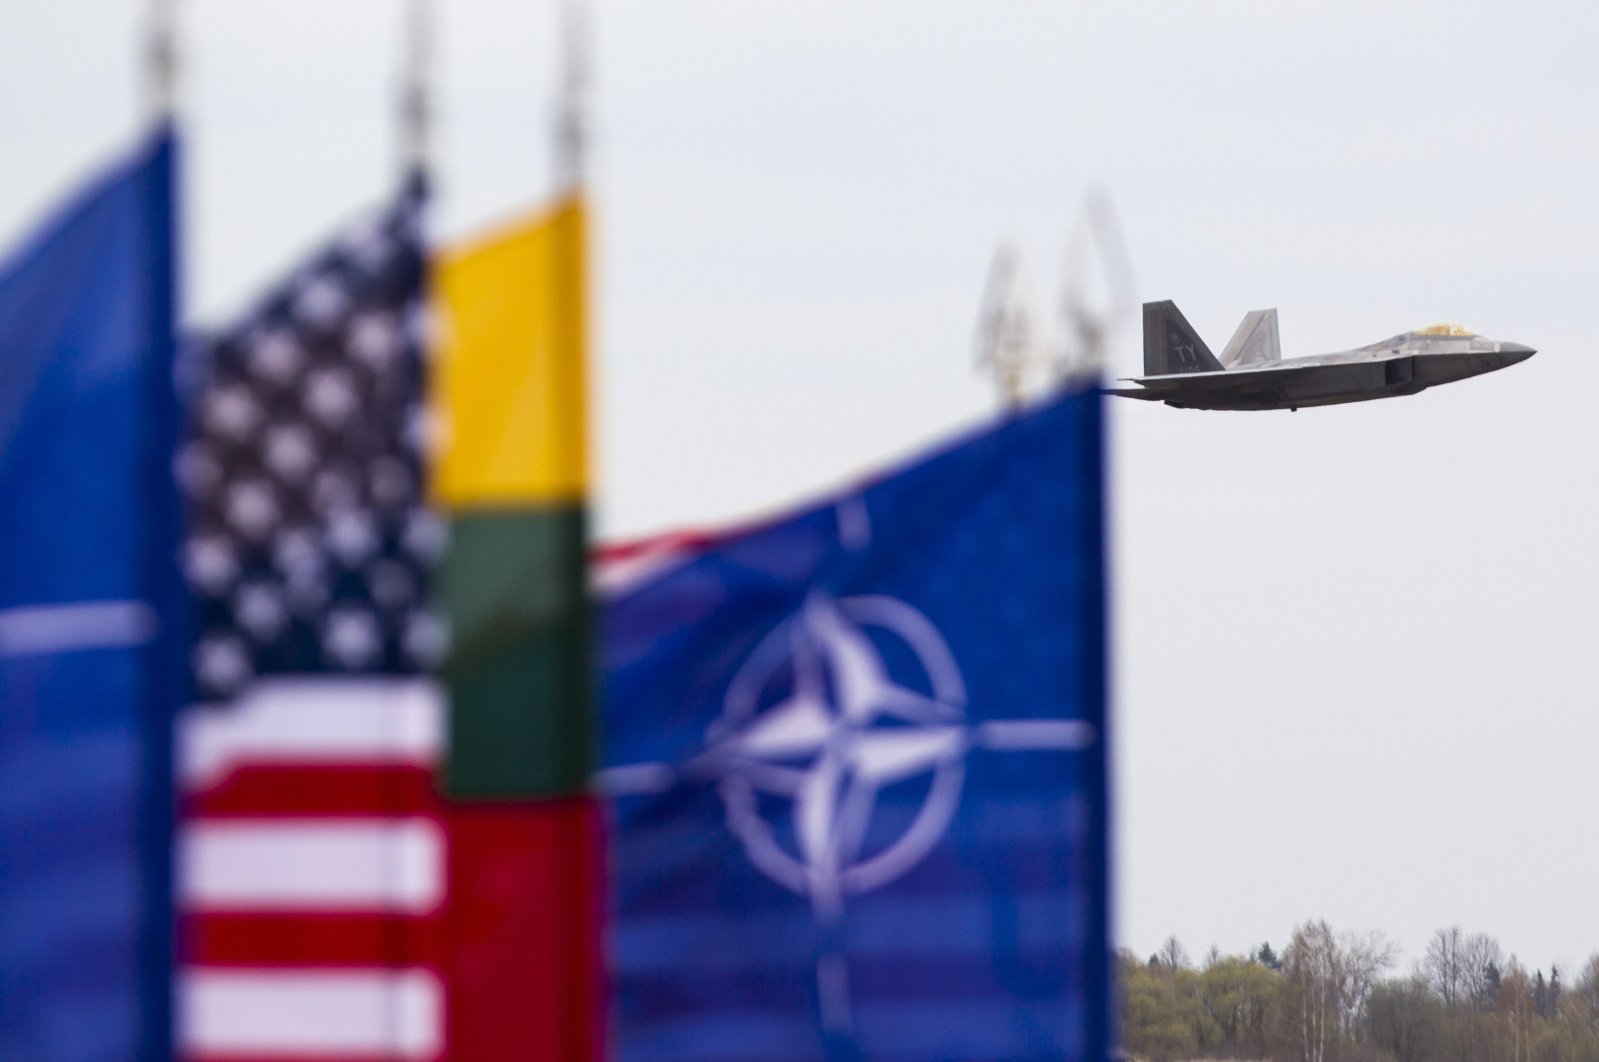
[313,852]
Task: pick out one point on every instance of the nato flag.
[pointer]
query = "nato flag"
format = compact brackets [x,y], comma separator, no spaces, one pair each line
[88,592]
[858,758]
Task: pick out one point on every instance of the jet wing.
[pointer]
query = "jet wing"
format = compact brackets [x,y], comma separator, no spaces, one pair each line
[1161,388]
[1184,381]
[1274,374]
[1276,385]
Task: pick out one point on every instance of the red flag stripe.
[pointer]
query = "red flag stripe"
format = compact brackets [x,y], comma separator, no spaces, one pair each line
[313,939]
[526,886]
[309,790]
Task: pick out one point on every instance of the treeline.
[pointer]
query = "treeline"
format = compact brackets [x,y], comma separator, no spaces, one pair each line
[1330,997]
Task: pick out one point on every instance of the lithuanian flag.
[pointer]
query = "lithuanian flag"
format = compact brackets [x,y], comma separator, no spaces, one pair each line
[511,475]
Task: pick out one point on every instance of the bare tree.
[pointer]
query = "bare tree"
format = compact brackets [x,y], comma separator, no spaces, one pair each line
[1364,956]
[1444,967]
[1482,964]
[1517,1005]
[1172,954]
[1311,963]
[1330,979]
[1586,993]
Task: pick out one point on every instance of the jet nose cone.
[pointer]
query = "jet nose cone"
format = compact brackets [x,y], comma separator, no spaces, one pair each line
[1516,352]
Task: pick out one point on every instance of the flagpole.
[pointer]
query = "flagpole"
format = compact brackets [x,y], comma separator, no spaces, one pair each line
[416,91]
[161,61]
[582,958]
[571,123]
[167,671]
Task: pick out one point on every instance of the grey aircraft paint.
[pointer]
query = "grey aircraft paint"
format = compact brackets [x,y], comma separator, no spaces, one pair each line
[1180,370]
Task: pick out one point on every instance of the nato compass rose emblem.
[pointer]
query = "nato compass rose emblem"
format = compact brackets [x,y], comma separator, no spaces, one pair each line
[815,726]
[842,733]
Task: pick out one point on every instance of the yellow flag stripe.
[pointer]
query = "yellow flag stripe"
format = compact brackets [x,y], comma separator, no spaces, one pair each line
[509,390]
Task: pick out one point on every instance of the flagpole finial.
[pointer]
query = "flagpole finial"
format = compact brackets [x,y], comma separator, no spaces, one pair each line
[571,130]
[161,60]
[416,88]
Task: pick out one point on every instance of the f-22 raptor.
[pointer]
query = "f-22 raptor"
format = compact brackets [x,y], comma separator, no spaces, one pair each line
[1252,373]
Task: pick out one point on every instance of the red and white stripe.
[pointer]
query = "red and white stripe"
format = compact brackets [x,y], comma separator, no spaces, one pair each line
[313,874]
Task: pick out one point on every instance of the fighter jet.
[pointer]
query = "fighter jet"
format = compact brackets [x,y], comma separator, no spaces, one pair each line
[1252,373]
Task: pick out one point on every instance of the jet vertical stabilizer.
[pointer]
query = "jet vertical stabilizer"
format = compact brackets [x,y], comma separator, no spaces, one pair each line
[1255,342]
[1170,343]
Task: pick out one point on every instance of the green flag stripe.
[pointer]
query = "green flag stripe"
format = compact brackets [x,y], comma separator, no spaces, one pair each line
[518,674]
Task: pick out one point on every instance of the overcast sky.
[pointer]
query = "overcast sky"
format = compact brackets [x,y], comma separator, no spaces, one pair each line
[1354,646]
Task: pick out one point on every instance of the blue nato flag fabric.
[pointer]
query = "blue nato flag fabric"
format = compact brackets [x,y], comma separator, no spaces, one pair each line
[858,763]
[90,605]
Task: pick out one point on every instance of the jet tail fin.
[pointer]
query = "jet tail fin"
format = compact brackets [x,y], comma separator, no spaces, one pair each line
[1170,343]
[1255,342]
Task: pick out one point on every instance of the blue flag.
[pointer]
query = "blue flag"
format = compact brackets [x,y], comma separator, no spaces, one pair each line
[859,765]
[89,593]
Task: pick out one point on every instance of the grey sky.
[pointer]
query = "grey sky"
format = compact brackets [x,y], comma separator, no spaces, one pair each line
[1354,659]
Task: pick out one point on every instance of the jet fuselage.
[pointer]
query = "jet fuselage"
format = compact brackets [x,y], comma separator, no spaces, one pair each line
[1252,375]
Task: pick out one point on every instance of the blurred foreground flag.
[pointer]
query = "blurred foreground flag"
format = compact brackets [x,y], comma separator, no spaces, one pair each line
[88,585]
[859,764]
[314,858]
[353,893]
[525,834]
